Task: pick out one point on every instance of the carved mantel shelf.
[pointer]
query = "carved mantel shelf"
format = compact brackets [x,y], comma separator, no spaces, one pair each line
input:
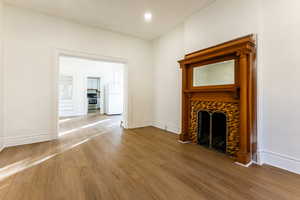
[242,92]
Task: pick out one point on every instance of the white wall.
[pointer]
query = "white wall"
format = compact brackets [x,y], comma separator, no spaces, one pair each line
[281,72]
[1,76]
[81,69]
[167,80]
[30,66]
[276,24]
[220,22]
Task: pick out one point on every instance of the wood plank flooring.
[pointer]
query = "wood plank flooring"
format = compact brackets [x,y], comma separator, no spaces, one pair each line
[96,159]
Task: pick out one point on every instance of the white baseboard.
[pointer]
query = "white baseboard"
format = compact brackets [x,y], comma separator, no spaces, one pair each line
[279,160]
[244,165]
[1,148]
[256,163]
[171,128]
[141,124]
[184,142]
[166,126]
[21,140]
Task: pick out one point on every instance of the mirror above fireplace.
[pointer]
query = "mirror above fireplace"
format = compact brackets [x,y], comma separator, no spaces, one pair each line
[220,73]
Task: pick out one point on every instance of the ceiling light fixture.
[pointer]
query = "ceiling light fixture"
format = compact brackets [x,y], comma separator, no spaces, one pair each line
[148,16]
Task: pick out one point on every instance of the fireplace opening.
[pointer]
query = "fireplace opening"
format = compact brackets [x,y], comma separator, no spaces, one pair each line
[204,128]
[212,130]
[219,132]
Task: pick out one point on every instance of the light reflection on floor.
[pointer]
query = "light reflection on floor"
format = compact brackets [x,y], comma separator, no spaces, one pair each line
[24,164]
[83,127]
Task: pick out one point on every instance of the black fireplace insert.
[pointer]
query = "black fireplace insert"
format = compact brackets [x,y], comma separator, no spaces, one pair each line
[212,130]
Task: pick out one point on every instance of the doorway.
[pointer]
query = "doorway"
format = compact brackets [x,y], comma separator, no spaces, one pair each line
[91,93]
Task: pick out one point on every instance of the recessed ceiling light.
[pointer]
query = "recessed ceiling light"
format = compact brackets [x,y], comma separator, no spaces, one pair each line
[148,16]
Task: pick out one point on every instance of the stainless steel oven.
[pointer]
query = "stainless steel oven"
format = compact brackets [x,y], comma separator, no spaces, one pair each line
[93,100]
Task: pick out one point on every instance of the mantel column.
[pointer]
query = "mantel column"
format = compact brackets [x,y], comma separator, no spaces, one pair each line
[184,135]
[244,154]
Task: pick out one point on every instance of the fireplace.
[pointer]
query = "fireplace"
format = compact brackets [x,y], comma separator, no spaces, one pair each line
[219,98]
[212,130]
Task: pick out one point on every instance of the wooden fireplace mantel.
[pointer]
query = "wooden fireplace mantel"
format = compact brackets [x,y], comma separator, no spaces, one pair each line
[243,51]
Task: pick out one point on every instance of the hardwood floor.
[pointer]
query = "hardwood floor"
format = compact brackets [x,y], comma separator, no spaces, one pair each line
[96,159]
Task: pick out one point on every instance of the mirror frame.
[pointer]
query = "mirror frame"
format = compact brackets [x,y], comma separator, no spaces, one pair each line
[228,87]
[205,63]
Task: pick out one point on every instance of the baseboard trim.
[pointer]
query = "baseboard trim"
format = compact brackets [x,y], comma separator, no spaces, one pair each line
[141,124]
[244,165]
[280,160]
[184,142]
[256,163]
[16,141]
[167,127]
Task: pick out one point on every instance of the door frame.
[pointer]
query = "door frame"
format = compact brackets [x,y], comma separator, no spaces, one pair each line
[89,56]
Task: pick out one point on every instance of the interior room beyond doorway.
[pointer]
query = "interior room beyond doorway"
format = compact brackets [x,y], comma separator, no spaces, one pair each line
[89,88]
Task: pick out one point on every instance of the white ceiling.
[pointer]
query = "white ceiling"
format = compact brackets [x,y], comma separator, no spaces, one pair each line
[125,16]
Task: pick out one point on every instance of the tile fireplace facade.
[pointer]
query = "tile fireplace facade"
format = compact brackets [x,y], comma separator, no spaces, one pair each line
[232,112]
